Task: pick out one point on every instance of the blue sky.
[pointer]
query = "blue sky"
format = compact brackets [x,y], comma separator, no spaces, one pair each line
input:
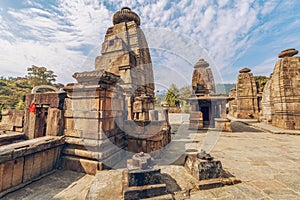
[66,35]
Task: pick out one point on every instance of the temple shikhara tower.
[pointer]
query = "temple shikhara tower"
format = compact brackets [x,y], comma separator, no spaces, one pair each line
[125,53]
[245,98]
[111,109]
[281,96]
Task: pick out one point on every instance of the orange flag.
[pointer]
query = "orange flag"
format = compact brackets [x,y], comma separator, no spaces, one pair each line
[32,108]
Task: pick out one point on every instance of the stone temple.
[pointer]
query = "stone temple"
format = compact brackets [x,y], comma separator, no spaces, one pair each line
[279,103]
[93,124]
[245,98]
[281,96]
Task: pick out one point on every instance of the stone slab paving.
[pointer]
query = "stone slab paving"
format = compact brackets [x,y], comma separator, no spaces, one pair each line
[267,164]
[59,185]
[264,127]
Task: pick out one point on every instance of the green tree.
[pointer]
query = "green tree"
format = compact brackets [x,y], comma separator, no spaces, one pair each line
[20,105]
[184,94]
[13,89]
[261,81]
[40,76]
[172,96]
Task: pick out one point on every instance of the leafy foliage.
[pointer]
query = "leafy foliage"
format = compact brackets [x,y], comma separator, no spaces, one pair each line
[177,97]
[40,76]
[172,96]
[261,81]
[12,89]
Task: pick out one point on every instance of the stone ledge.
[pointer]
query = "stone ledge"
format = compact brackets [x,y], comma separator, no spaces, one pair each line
[12,151]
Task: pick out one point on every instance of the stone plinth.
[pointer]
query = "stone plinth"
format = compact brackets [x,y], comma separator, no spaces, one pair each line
[23,162]
[203,169]
[147,136]
[223,124]
[196,120]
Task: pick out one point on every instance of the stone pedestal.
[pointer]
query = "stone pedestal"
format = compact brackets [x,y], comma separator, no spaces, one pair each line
[196,120]
[204,169]
[223,124]
[142,179]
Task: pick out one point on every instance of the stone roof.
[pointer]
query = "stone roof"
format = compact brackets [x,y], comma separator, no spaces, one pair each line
[96,76]
[245,70]
[126,15]
[288,53]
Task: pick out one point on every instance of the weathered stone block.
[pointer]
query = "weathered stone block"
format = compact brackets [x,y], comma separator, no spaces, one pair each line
[18,171]
[7,174]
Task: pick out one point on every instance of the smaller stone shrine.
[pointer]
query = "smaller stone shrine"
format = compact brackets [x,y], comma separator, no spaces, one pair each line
[245,100]
[142,179]
[208,110]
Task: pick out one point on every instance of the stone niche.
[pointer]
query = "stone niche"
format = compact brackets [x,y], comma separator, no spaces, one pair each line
[281,97]
[27,161]
[244,102]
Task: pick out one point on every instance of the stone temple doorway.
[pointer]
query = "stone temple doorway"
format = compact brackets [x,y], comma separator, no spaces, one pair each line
[41,121]
[205,113]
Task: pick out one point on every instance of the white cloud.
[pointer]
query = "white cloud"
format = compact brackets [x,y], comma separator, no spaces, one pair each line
[66,36]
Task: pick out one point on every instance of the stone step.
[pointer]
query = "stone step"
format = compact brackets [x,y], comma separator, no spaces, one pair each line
[162,197]
[146,191]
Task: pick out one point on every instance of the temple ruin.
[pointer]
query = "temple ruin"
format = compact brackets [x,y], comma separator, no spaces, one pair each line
[281,96]
[208,109]
[245,98]
[91,124]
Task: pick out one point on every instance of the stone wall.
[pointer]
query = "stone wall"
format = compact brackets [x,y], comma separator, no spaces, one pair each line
[266,104]
[12,120]
[48,118]
[24,162]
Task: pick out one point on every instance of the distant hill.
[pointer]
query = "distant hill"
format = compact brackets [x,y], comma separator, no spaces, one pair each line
[224,88]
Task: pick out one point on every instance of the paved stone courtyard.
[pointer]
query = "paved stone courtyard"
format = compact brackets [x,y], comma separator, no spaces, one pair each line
[267,164]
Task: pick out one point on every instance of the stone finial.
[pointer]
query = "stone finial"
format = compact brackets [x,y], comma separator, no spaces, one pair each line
[201,63]
[126,15]
[288,53]
[245,70]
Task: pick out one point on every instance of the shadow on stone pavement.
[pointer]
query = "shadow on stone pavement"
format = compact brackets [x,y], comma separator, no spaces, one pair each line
[241,127]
